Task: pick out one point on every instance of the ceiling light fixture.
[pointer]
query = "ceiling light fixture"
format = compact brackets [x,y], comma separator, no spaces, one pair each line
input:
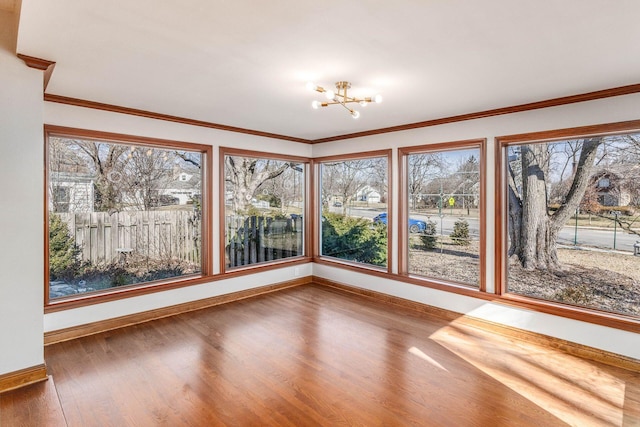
[341,98]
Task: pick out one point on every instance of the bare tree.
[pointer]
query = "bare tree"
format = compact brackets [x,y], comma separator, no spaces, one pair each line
[107,160]
[464,180]
[422,168]
[285,189]
[346,179]
[244,175]
[533,229]
[148,171]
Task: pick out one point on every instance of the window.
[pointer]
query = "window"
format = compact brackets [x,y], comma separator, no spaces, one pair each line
[354,193]
[561,244]
[442,233]
[60,198]
[264,205]
[118,213]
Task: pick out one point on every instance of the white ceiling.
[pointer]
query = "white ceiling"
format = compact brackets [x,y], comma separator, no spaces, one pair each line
[245,63]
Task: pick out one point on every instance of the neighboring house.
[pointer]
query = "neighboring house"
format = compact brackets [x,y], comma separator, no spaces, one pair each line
[71,192]
[610,189]
[185,187]
[368,194]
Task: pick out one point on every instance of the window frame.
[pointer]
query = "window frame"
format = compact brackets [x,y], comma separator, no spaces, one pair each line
[307,223]
[590,315]
[111,294]
[317,213]
[403,215]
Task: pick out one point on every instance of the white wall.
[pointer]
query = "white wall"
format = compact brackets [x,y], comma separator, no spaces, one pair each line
[21,212]
[588,113]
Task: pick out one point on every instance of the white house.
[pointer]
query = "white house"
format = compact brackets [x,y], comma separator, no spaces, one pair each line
[184,188]
[71,192]
[368,194]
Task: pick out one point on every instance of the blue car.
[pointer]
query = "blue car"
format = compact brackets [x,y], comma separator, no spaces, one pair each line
[415,225]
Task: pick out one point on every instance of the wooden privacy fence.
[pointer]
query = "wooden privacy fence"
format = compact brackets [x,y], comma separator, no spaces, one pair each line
[257,239]
[108,238]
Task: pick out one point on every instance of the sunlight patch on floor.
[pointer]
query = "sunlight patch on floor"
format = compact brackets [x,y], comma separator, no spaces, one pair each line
[417,352]
[572,389]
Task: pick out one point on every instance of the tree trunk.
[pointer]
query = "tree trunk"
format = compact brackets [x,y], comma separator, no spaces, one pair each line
[532,230]
[536,249]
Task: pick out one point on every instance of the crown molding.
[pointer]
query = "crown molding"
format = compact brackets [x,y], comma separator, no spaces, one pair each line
[554,102]
[39,64]
[166,117]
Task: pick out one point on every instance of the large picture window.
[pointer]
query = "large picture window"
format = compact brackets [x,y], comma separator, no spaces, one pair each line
[573,220]
[354,220]
[443,205]
[264,205]
[122,213]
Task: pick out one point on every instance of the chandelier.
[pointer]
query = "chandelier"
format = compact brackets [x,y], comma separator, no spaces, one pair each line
[340,97]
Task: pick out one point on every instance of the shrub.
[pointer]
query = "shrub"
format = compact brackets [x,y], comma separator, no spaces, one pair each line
[137,269]
[63,251]
[460,235]
[354,239]
[429,238]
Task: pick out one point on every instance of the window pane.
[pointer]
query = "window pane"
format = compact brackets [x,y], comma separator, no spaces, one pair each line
[444,215]
[121,215]
[354,210]
[573,222]
[264,202]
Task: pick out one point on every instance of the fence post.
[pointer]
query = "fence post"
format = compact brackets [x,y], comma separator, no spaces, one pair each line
[261,237]
[252,241]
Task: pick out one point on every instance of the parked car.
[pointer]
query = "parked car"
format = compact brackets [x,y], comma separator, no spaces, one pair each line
[415,225]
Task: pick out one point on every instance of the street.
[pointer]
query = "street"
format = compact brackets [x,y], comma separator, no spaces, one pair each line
[586,236]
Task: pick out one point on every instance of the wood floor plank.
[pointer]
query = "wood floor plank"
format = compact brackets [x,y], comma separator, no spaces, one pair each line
[311,355]
[33,405]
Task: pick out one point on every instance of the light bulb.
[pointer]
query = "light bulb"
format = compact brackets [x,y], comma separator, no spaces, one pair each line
[315,105]
[311,86]
[364,103]
[377,99]
[330,94]
[355,114]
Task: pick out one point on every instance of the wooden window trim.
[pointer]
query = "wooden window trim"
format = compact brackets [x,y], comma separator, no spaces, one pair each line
[403,211]
[307,221]
[317,191]
[206,273]
[584,314]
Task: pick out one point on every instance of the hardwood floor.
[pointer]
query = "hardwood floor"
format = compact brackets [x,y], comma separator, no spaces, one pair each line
[311,355]
[33,405]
